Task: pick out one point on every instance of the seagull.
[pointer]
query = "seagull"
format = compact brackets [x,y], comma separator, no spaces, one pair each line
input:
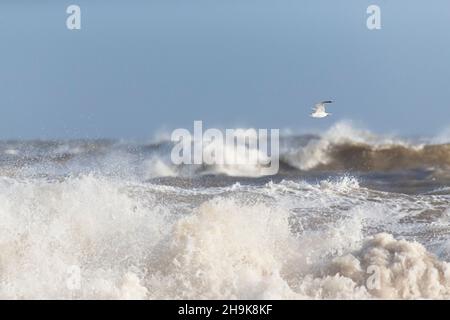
[319,110]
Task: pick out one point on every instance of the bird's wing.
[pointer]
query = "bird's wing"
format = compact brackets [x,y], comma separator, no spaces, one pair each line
[320,107]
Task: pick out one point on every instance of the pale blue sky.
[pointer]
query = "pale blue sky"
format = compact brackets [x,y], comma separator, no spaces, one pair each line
[139,66]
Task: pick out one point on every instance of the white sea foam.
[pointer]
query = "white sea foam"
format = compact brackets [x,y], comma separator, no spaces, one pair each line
[156,167]
[293,240]
[47,227]
[405,270]
[316,152]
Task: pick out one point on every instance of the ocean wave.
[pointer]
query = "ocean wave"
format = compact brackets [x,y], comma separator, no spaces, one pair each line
[286,240]
[345,148]
[405,270]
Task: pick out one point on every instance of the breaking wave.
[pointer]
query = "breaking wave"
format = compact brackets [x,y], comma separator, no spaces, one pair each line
[344,148]
[96,237]
[350,215]
[341,148]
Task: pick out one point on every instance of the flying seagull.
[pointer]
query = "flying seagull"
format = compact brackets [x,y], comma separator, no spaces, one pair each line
[319,110]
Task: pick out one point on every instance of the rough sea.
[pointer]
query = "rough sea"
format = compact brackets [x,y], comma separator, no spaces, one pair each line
[110,219]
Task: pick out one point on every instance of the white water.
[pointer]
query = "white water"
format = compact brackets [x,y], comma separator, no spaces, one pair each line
[288,240]
[316,152]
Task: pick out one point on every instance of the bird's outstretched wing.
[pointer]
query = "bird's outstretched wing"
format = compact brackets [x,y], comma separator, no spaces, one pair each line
[320,107]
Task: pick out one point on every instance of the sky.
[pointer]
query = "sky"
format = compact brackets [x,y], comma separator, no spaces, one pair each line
[141,67]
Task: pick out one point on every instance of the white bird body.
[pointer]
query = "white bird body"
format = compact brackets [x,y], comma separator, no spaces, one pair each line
[319,110]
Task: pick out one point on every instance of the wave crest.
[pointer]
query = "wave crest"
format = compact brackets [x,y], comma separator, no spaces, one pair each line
[343,147]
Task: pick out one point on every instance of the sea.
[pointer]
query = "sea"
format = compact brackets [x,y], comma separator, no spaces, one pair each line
[350,215]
